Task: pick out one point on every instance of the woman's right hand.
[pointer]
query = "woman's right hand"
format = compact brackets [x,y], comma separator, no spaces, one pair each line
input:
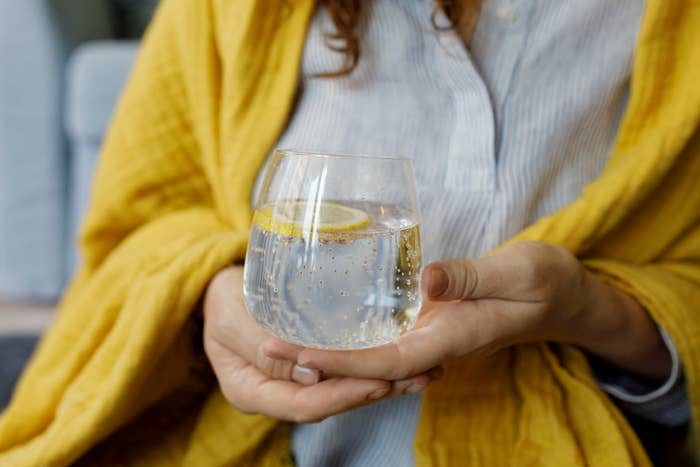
[256,383]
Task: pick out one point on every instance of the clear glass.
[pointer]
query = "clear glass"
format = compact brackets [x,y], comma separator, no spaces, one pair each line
[334,256]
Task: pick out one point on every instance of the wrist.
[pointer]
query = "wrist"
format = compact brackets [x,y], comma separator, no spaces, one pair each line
[615,327]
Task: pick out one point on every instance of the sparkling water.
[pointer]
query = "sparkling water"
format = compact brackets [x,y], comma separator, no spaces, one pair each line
[337,290]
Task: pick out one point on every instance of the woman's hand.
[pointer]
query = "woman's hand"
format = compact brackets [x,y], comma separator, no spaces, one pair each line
[528,292]
[256,383]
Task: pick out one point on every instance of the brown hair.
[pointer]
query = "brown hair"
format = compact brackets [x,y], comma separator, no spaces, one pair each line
[346,14]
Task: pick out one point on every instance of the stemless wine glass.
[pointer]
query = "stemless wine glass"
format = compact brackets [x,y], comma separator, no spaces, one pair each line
[334,256]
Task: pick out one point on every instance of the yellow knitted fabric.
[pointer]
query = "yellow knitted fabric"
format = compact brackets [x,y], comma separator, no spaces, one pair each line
[120,378]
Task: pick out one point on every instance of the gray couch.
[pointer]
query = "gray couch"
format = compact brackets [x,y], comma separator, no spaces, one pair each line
[63,64]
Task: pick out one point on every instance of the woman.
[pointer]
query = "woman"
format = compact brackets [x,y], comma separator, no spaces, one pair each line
[505,137]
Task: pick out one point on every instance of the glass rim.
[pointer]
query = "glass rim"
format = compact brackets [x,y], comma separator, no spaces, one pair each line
[327,155]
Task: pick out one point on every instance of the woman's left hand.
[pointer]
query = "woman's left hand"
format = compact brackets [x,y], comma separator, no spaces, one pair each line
[527,292]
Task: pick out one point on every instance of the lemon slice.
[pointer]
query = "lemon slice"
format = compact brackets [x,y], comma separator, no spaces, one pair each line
[293,217]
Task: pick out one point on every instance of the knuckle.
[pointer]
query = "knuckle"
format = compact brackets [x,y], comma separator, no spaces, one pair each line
[265,363]
[466,279]
[528,250]
[273,367]
[534,265]
[281,369]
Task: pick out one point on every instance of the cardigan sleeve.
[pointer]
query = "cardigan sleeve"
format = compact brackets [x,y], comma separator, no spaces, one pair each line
[664,403]
[669,291]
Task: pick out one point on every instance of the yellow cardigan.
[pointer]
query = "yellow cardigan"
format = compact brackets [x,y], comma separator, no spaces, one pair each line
[120,377]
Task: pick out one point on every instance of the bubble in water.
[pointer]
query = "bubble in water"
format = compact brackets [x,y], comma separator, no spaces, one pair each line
[324,307]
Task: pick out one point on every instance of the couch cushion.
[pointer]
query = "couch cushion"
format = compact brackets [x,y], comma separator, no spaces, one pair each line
[97,72]
[96,76]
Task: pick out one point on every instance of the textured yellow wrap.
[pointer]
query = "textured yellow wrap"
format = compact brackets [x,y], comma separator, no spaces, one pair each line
[120,377]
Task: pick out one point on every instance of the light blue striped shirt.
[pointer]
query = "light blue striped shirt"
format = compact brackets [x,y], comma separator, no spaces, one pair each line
[500,136]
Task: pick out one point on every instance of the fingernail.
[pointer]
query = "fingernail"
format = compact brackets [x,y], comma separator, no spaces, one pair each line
[414,388]
[438,282]
[305,376]
[378,394]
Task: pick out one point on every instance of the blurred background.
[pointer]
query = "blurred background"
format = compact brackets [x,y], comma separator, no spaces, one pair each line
[63,64]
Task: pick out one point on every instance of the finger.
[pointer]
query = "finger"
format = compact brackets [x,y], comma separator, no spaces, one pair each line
[286,400]
[282,350]
[411,354]
[277,368]
[228,320]
[222,357]
[252,391]
[417,383]
[233,329]
[279,350]
[462,279]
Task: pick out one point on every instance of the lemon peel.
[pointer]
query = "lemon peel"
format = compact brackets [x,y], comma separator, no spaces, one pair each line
[289,218]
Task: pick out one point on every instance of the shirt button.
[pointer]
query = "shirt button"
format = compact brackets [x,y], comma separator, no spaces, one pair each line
[507,13]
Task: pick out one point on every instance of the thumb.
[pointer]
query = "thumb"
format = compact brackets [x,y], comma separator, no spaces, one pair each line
[283,369]
[463,279]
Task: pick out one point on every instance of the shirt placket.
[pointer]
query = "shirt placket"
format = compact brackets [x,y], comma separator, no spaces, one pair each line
[471,148]
[497,46]
[479,92]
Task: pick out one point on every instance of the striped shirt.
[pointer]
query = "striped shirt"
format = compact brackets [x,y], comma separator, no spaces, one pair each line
[500,135]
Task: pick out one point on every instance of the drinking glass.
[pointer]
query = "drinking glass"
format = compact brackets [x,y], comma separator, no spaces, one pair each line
[334,256]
